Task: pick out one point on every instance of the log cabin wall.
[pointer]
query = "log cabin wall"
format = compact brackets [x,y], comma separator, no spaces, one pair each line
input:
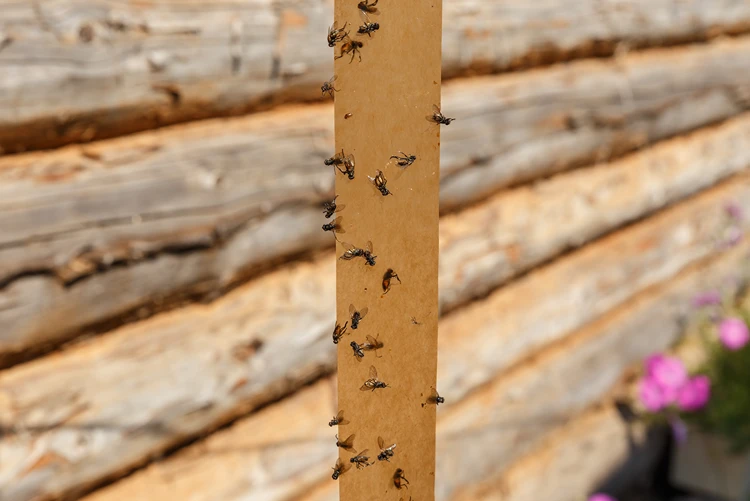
[167,296]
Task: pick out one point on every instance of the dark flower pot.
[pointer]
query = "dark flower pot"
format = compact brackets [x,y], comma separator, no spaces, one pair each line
[702,463]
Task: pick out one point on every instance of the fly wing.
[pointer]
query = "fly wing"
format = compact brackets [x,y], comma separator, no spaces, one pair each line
[348,444]
[399,172]
[330,82]
[352,309]
[435,113]
[373,372]
[371,341]
[368,246]
[363,16]
[364,387]
[433,395]
[338,220]
[363,453]
[345,467]
[370,9]
[339,208]
[363,312]
[340,416]
[381,443]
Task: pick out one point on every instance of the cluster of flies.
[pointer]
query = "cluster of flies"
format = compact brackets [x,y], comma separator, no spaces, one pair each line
[345,164]
[387,450]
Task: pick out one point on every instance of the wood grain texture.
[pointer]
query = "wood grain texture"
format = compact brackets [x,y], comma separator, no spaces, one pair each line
[488,441]
[81,70]
[193,209]
[200,367]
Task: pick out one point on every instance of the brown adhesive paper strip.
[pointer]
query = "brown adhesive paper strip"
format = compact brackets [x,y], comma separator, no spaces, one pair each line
[381,107]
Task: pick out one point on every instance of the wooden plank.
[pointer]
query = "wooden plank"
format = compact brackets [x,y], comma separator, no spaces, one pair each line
[81,70]
[187,211]
[512,424]
[389,109]
[583,457]
[200,367]
[472,263]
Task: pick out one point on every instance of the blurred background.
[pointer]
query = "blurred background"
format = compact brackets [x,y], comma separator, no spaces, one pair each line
[167,295]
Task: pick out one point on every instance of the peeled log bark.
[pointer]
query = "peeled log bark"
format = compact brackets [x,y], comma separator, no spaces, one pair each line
[89,70]
[193,209]
[285,448]
[204,365]
[475,257]
[593,448]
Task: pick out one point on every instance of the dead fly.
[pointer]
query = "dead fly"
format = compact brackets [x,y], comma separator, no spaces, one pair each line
[352,252]
[367,254]
[340,159]
[340,469]
[399,480]
[367,28]
[372,344]
[336,35]
[389,274]
[338,332]
[368,8]
[415,322]
[334,226]
[328,87]
[347,444]
[385,452]
[329,208]
[361,459]
[369,258]
[338,419]
[434,397]
[373,383]
[379,181]
[351,47]
[404,160]
[337,159]
[358,353]
[438,117]
[357,316]
[348,165]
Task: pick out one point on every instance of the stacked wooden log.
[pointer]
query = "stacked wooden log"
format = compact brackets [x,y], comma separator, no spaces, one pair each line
[167,296]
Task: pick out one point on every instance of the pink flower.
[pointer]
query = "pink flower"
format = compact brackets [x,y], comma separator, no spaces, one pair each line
[651,395]
[600,496]
[694,395]
[734,333]
[668,373]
